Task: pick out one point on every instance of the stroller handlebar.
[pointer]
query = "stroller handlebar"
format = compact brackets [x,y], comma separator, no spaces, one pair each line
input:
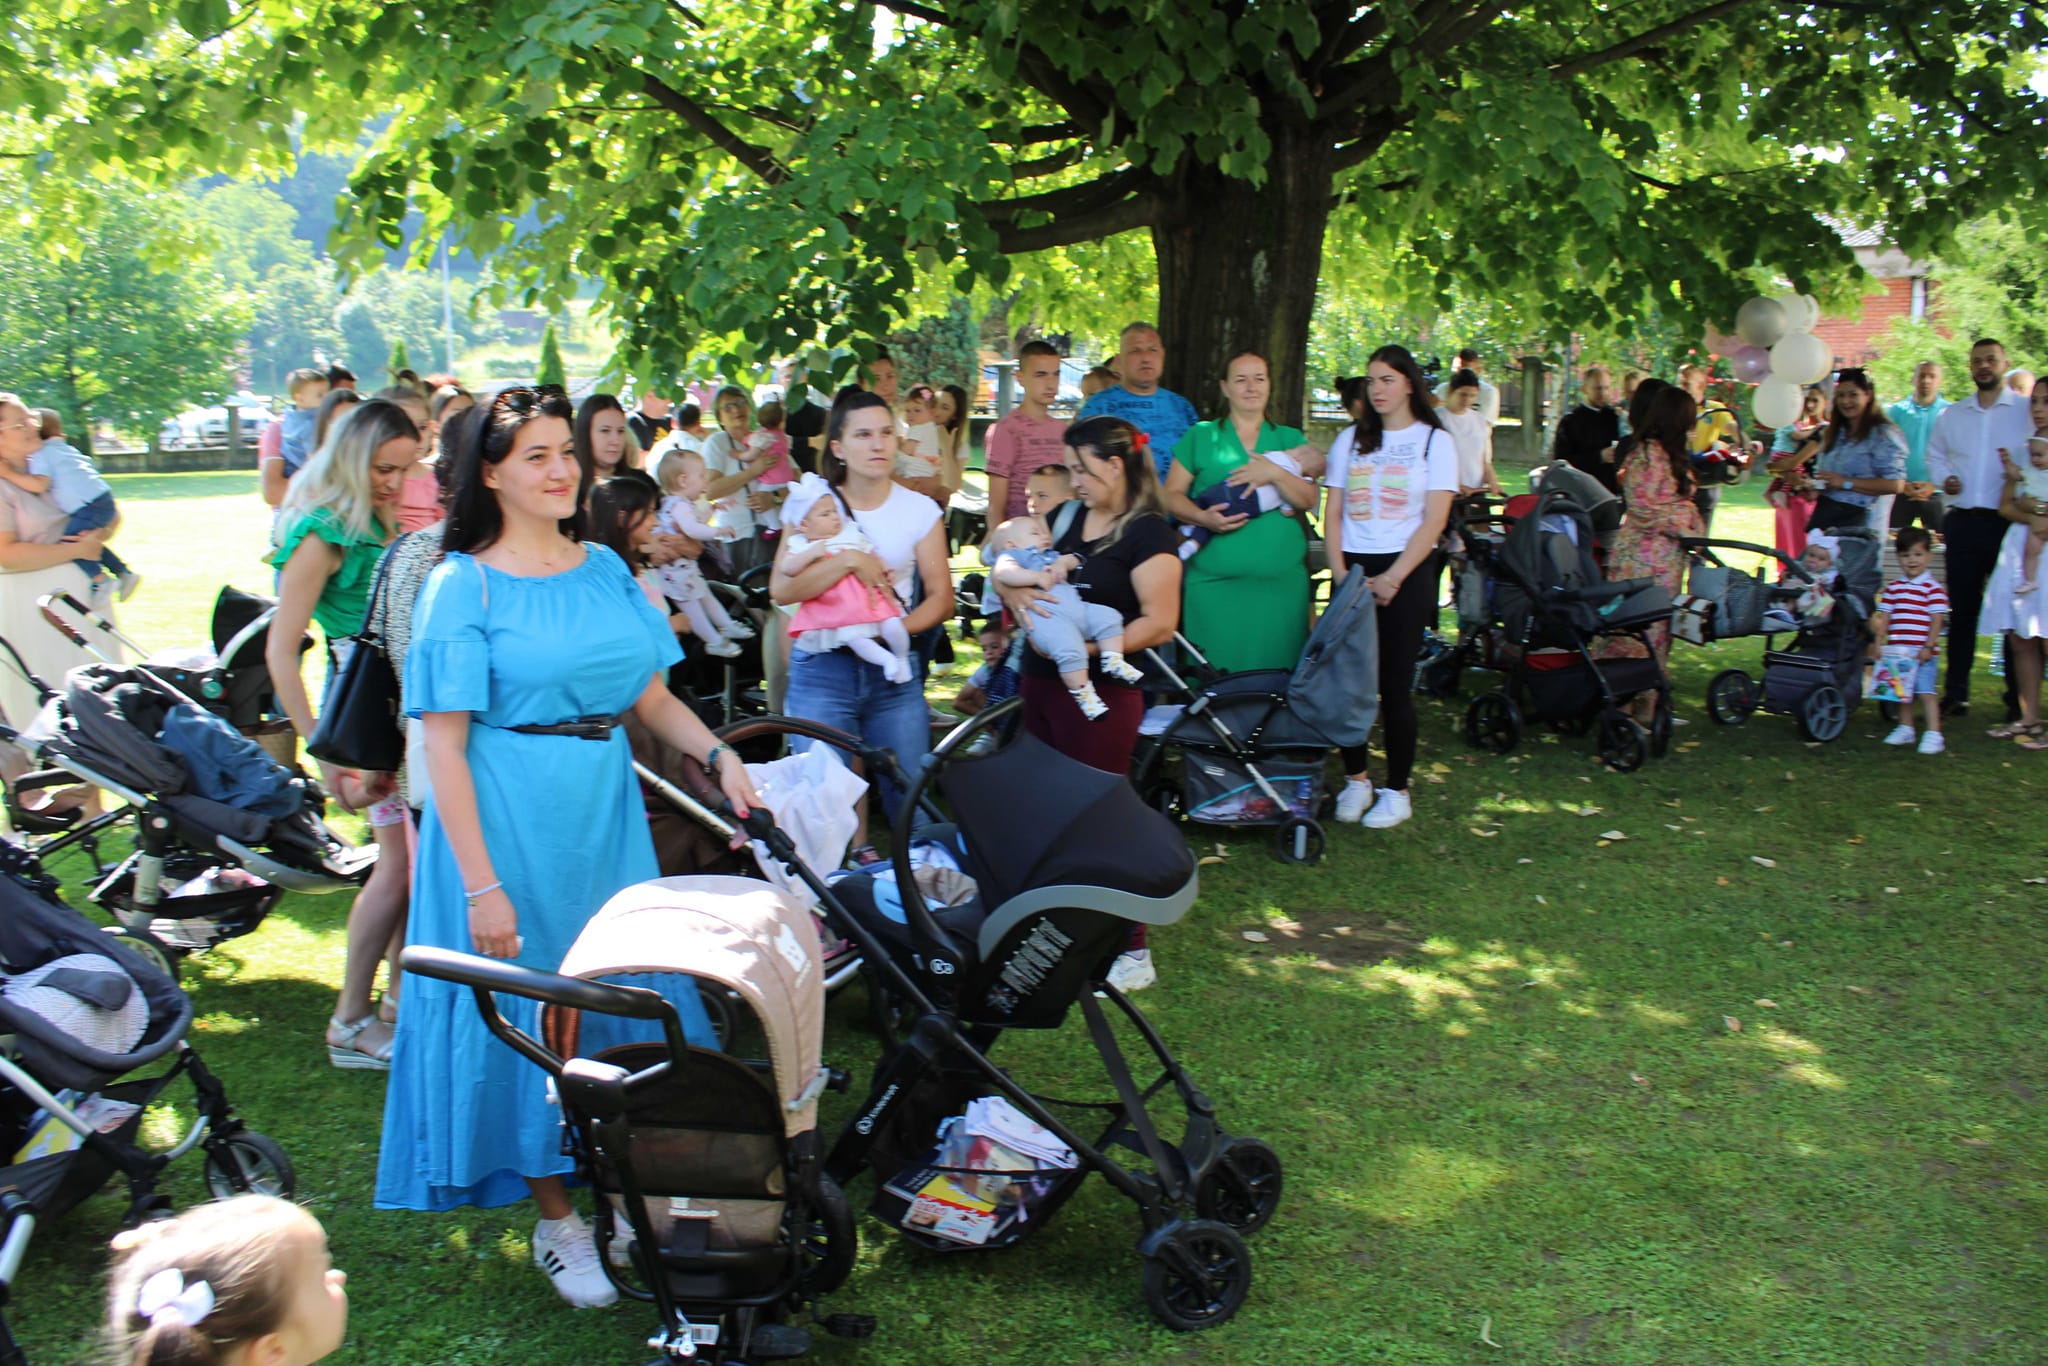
[484,976]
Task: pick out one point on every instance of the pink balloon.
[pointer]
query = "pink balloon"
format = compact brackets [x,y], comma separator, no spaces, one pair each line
[1752,364]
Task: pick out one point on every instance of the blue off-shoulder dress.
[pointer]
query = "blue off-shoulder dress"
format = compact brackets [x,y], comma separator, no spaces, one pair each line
[465,1118]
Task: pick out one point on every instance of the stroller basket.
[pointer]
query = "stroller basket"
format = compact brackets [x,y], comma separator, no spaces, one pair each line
[1220,791]
[1723,603]
[205,900]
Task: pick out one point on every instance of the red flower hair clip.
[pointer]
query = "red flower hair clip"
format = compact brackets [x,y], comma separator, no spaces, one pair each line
[1139,441]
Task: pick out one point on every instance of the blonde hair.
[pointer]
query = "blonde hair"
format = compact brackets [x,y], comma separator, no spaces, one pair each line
[338,476]
[237,1247]
[1112,438]
[668,471]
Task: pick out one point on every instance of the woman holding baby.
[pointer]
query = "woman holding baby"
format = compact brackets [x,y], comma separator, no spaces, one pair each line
[1237,483]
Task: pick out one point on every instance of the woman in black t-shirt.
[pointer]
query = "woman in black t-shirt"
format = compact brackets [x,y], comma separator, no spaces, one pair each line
[1128,562]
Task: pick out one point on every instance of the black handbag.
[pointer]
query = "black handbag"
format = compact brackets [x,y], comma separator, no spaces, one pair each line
[361,724]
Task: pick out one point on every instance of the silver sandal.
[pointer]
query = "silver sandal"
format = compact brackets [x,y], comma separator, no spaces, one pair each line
[351,1056]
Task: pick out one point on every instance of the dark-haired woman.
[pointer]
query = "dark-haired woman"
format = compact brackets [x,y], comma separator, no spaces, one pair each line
[1392,478]
[528,645]
[338,515]
[1862,461]
[1657,482]
[838,687]
[603,442]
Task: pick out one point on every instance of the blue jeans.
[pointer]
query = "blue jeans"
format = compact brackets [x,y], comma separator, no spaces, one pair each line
[838,688]
[91,517]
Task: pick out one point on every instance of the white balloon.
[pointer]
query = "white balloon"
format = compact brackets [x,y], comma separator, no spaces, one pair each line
[1801,358]
[1760,322]
[1802,312]
[1777,403]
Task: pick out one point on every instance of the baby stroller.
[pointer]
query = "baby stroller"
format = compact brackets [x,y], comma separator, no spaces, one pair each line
[1818,678]
[705,1149]
[1247,755]
[222,830]
[80,1012]
[1551,606]
[721,689]
[1009,924]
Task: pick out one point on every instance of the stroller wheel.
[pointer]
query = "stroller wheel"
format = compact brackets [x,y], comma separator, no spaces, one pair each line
[830,1241]
[1731,697]
[1164,797]
[1824,713]
[1197,1274]
[1242,1187]
[1623,746]
[1300,841]
[248,1163]
[1661,727]
[1493,723]
[151,949]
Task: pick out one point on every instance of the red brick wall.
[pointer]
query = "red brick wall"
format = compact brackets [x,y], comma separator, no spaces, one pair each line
[1851,339]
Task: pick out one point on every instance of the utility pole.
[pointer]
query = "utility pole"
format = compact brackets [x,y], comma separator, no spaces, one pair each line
[447,311]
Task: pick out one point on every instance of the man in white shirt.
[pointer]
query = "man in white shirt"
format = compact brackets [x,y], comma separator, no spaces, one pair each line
[1966,459]
[1488,406]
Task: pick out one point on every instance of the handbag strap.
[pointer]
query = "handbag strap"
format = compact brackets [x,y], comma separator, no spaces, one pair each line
[372,632]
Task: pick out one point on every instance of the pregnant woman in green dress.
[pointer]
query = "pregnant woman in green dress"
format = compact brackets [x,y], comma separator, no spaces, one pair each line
[1247,597]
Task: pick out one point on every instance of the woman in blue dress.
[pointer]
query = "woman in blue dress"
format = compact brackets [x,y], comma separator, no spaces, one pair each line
[527,645]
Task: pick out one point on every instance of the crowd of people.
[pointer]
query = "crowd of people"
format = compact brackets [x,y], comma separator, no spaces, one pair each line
[477,538]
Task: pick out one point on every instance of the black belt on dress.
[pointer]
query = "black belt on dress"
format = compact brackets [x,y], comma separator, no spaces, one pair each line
[582,728]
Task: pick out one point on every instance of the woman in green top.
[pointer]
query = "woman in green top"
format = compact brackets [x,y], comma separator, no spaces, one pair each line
[1247,595]
[339,514]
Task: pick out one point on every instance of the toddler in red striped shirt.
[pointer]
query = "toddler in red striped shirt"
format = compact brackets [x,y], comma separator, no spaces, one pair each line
[1910,615]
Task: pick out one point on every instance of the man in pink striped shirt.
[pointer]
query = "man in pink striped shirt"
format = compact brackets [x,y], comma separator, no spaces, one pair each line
[1910,615]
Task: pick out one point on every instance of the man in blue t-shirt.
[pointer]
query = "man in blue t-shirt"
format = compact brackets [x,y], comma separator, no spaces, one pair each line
[1915,414]
[1162,415]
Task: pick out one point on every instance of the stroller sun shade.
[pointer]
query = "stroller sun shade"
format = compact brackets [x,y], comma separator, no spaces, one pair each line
[1032,818]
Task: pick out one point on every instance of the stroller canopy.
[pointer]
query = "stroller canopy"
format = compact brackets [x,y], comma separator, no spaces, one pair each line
[736,932]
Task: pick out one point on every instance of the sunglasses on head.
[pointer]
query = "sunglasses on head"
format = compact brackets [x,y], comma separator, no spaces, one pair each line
[523,399]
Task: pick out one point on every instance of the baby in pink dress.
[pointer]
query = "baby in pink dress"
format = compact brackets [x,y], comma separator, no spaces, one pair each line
[867,621]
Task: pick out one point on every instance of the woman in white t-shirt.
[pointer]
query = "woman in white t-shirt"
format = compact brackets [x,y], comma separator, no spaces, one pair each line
[1391,481]
[838,687]
[1467,425]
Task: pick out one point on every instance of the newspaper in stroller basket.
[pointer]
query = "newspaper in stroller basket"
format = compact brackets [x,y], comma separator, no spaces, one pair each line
[80,1015]
[1818,678]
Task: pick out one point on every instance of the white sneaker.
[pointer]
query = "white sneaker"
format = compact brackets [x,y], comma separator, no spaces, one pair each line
[1389,809]
[1902,735]
[1932,743]
[721,647]
[129,582]
[737,630]
[1133,971]
[1354,799]
[565,1250]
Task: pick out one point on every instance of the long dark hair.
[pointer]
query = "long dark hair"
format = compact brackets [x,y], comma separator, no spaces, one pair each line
[617,501]
[586,418]
[1668,420]
[475,520]
[1873,416]
[849,402]
[1370,429]
[960,408]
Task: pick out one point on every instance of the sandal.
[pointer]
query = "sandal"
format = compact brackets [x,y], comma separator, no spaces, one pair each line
[387,1010]
[349,1054]
[2035,742]
[2013,730]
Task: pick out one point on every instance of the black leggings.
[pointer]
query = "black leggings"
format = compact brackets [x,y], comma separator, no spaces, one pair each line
[1401,624]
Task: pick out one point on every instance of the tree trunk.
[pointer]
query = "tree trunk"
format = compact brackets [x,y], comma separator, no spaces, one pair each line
[1237,271]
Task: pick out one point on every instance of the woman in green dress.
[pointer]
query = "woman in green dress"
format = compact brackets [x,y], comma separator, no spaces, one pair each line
[1247,595]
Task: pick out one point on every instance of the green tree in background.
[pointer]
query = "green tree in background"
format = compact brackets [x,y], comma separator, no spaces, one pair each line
[940,350]
[108,336]
[551,371]
[1994,283]
[399,359]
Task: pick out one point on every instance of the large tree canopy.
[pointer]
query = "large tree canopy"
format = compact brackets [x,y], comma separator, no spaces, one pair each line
[746,179]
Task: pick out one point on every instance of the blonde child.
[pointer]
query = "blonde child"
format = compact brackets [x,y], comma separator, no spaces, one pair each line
[287,443]
[918,455]
[1046,489]
[682,476]
[1022,557]
[1097,379]
[770,438]
[1910,615]
[245,1282]
[867,621]
[2033,496]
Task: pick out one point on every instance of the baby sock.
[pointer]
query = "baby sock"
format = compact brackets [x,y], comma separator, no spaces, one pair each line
[1119,668]
[1091,705]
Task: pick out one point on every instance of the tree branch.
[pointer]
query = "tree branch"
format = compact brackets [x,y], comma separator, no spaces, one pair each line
[1046,165]
[1089,108]
[1042,132]
[1629,47]
[911,9]
[1138,211]
[757,159]
[1068,199]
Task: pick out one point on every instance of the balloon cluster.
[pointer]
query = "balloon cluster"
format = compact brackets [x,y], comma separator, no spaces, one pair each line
[1780,354]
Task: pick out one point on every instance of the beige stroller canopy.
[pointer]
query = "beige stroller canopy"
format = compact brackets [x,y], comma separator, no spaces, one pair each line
[731,931]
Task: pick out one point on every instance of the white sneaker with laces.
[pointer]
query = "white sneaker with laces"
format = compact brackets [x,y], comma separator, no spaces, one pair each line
[1902,734]
[738,630]
[1133,971]
[566,1251]
[1932,743]
[722,648]
[1353,800]
[1389,809]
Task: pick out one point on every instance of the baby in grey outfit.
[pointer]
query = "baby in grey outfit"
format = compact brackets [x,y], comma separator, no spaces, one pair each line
[1022,556]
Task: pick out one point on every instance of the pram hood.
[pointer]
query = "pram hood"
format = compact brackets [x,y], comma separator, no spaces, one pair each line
[1603,506]
[33,932]
[1549,568]
[738,933]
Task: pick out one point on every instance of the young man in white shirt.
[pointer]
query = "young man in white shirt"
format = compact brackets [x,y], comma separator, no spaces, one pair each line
[1966,460]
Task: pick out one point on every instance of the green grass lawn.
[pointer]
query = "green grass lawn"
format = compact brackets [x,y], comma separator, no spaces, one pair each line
[1758,1079]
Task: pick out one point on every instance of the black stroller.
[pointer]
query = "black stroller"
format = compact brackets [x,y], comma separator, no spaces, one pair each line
[1247,754]
[1551,606]
[1818,678]
[79,1013]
